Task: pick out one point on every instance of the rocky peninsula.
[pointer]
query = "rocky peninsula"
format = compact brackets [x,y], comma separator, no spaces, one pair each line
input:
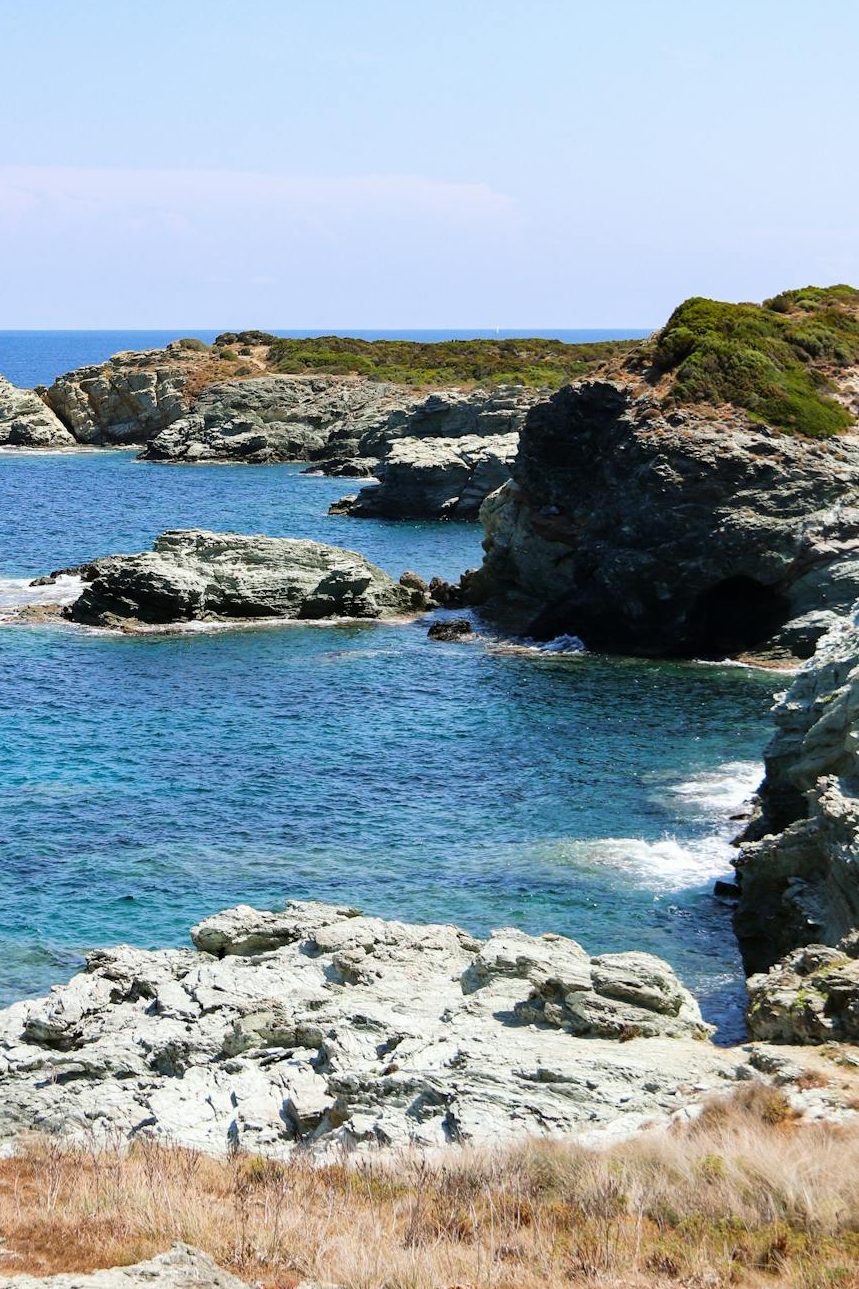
[684,509]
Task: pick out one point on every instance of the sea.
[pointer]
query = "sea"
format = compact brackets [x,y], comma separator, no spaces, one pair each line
[146,782]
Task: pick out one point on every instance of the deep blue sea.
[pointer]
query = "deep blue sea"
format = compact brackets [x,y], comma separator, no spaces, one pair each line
[146,782]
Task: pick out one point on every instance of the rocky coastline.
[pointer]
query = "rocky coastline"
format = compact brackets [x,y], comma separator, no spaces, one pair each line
[615,511]
[321,1028]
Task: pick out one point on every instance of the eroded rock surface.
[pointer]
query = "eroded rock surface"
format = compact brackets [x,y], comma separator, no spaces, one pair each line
[798,868]
[440,455]
[649,531]
[437,478]
[324,1027]
[220,576]
[810,996]
[25,421]
[126,400]
[277,418]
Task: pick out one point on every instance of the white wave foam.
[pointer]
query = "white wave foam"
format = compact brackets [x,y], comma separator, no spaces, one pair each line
[720,792]
[662,866]
[17,593]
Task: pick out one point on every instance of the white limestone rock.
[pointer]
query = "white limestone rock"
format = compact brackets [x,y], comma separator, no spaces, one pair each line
[322,1027]
[181,1267]
[26,422]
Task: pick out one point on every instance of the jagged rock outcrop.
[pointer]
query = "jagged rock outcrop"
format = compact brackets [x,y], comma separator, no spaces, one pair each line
[670,532]
[810,996]
[437,478]
[321,1027]
[277,418]
[25,421]
[181,1267]
[440,455]
[197,575]
[126,400]
[798,868]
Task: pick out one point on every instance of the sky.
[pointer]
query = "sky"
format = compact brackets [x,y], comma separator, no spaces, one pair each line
[391,164]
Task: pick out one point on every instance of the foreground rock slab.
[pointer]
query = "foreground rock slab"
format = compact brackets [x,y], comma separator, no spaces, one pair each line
[324,1028]
[181,1267]
[198,575]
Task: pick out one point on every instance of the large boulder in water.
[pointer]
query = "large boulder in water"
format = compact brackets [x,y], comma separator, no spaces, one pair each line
[216,576]
[671,532]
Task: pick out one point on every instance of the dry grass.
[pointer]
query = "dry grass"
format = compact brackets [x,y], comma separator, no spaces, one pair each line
[747,1195]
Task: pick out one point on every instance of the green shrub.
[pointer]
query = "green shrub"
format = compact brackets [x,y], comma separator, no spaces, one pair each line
[191,342]
[774,360]
[228,355]
[539,363]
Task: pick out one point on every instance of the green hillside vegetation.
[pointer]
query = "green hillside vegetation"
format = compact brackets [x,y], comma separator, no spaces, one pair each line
[774,359]
[549,363]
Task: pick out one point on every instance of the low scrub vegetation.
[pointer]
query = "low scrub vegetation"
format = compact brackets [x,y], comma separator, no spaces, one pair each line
[549,363]
[747,1195]
[775,360]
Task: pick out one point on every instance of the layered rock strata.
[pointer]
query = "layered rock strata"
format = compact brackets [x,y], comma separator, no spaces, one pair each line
[278,418]
[670,533]
[25,421]
[197,575]
[323,1028]
[124,401]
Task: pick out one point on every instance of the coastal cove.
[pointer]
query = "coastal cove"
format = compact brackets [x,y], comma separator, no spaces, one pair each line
[149,781]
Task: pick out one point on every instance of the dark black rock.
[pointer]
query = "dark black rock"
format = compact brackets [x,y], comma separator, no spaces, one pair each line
[451,629]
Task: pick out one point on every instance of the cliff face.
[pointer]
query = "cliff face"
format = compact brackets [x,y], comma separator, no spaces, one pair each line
[25,421]
[680,532]
[798,868]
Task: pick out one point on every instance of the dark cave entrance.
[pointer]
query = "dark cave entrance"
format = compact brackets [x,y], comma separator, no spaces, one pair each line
[733,616]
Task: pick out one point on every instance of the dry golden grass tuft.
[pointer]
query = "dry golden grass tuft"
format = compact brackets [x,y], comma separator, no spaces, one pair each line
[746,1195]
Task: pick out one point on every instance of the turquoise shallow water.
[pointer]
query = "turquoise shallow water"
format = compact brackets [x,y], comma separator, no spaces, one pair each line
[146,782]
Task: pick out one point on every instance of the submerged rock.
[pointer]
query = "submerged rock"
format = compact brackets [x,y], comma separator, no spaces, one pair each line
[221,576]
[322,1027]
[450,629]
[678,532]
[25,421]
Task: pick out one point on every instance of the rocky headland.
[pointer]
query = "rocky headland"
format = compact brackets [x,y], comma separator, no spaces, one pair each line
[192,575]
[686,508]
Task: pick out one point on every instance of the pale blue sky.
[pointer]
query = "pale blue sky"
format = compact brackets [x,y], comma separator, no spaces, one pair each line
[451,163]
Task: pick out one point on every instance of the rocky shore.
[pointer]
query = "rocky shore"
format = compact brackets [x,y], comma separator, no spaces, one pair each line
[201,576]
[321,1027]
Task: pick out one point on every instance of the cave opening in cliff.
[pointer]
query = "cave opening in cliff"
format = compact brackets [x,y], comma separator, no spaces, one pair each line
[737,614]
